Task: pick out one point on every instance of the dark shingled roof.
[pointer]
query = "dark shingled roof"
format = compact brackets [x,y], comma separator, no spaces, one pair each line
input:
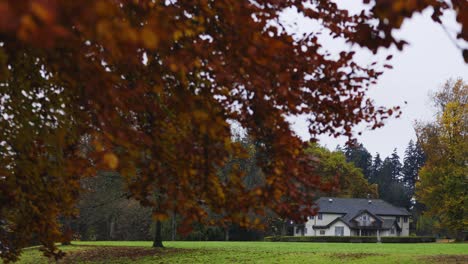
[352,207]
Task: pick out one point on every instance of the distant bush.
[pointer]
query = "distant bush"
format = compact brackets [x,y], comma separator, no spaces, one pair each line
[349,239]
[353,239]
[410,239]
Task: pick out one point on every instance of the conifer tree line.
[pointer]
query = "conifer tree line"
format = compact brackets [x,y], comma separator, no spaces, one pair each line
[395,177]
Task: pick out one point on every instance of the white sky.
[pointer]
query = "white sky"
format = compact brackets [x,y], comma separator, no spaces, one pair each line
[430,58]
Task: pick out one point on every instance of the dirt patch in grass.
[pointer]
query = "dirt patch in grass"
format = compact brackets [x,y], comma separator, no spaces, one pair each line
[451,259]
[100,253]
[351,256]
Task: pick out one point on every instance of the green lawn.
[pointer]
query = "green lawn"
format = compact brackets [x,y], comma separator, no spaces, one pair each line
[255,252]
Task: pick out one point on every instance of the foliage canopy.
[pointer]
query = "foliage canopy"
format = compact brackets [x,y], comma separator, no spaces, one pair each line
[443,179]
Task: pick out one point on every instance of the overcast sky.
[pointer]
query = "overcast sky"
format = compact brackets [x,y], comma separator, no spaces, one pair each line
[430,58]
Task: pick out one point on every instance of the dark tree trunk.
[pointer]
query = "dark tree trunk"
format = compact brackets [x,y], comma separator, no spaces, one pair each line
[226,233]
[173,227]
[68,232]
[157,242]
[112,228]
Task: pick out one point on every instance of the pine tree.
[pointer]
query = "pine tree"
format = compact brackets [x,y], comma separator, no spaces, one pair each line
[356,153]
[376,167]
[388,178]
[396,166]
[413,161]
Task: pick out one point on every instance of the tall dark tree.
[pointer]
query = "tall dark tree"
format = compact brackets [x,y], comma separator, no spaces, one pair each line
[413,161]
[356,153]
[396,166]
[388,178]
[376,167]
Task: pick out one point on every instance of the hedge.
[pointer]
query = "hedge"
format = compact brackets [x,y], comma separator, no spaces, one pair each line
[351,239]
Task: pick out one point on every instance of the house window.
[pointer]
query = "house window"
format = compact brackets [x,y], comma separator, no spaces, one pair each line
[364,217]
[322,232]
[405,219]
[312,217]
[392,231]
[398,219]
[305,230]
[298,230]
[339,230]
[319,216]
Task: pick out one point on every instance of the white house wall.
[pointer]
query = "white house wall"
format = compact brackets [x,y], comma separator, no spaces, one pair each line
[331,231]
[404,226]
[328,218]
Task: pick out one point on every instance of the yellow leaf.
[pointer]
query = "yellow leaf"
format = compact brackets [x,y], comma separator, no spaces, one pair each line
[200,115]
[177,35]
[149,38]
[160,216]
[111,160]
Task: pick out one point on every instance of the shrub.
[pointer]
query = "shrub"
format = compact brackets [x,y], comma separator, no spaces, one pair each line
[410,239]
[349,239]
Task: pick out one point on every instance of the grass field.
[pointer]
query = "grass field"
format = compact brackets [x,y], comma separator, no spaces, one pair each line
[254,252]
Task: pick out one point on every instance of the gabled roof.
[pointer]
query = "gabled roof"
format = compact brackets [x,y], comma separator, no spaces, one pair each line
[351,206]
[365,211]
[389,223]
[331,223]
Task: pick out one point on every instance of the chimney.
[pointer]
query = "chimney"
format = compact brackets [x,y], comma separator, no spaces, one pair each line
[330,200]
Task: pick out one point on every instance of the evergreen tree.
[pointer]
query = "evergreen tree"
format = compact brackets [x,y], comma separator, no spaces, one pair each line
[396,166]
[356,153]
[376,167]
[388,178]
[413,161]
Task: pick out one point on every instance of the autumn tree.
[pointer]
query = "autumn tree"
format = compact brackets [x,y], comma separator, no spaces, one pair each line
[348,179]
[156,85]
[442,187]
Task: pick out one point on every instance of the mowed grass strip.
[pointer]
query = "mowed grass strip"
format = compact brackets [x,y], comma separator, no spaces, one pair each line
[254,252]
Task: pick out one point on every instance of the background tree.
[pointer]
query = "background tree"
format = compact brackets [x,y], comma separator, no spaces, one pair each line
[376,167]
[442,187]
[105,212]
[413,161]
[356,153]
[348,179]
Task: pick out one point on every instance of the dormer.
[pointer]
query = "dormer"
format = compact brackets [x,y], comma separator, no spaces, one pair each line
[366,218]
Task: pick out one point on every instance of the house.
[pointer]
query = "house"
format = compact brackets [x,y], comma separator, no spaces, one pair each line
[355,217]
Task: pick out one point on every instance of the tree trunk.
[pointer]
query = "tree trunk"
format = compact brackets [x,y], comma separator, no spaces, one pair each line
[173,227]
[112,228]
[157,242]
[68,232]
[226,233]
